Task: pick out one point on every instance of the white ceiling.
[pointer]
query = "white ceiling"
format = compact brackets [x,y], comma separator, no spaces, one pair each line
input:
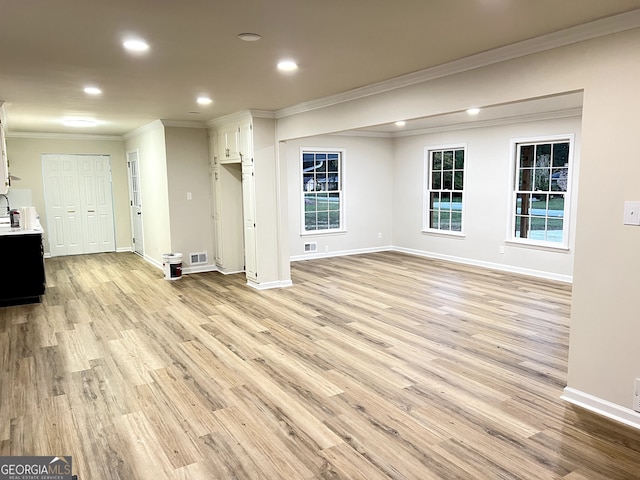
[51,49]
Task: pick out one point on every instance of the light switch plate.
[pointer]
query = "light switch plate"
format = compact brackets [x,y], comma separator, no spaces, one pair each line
[631,213]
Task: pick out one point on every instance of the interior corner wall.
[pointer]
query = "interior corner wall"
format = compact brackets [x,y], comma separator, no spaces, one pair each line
[604,358]
[487,193]
[367,196]
[270,205]
[189,190]
[25,158]
[154,188]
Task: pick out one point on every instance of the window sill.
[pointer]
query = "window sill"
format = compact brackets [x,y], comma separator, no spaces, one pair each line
[538,246]
[323,233]
[444,233]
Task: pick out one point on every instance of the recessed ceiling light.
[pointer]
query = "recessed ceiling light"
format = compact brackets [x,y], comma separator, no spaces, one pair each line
[287,66]
[401,123]
[473,111]
[136,45]
[92,90]
[79,122]
[204,100]
[249,37]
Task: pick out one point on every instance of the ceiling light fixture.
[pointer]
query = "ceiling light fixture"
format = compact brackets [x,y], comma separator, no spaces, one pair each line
[473,111]
[92,91]
[79,122]
[249,37]
[401,123]
[287,66]
[136,45]
[204,100]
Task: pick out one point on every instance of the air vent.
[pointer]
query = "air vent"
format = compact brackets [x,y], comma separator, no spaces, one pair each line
[198,258]
[310,247]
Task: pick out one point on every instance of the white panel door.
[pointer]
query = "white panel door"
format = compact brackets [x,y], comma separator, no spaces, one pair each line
[104,203]
[94,173]
[86,182]
[79,204]
[135,202]
[63,205]
[249,214]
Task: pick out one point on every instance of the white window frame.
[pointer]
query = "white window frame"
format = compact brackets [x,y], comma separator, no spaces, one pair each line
[427,182]
[343,226]
[513,179]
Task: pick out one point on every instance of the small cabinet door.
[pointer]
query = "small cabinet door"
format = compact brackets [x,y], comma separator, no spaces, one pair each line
[245,133]
[229,144]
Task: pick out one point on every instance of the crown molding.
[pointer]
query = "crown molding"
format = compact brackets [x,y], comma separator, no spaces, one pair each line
[230,118]
[64,136]
[270,114]
[143,129]
[569,36]
[530,117]
[184,123]
[240,116]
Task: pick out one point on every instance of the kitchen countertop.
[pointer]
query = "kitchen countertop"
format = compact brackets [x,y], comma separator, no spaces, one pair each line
[4,230]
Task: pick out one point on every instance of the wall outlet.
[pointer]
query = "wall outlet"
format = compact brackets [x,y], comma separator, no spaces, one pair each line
[326,249]
[379,234]
[189,196]
[631,213]
[502,249]
[636,396]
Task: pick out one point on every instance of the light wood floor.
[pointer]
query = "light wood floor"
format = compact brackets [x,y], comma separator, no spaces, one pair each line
[370,367]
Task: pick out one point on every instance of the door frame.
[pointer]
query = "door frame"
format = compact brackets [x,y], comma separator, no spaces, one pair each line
[135,211]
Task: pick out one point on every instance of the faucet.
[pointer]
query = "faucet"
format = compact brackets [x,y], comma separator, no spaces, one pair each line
[6,200]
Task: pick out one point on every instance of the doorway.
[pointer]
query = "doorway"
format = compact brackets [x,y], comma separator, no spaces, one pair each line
[135,201]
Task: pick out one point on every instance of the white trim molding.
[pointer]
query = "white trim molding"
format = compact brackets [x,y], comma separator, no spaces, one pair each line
[599,28]
[199,269]
[341,253]
[269,285]
[493,266]
[602,407]
[64,136]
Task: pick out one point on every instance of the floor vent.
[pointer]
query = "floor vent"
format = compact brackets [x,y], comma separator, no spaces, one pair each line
[310,247]
[198,258]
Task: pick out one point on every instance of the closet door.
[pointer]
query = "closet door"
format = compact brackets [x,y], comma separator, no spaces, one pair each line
[94,172]
[62,200]
[79,204]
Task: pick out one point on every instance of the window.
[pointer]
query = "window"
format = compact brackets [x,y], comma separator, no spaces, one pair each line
[322,190]
[540,194]
[445,187]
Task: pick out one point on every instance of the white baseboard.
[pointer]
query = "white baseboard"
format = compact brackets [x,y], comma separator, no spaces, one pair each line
[153,262]
[341,253]
[199,269]
[494,266]
[269,285]
[602,407]
[438,256]
[124,249]
[230,272]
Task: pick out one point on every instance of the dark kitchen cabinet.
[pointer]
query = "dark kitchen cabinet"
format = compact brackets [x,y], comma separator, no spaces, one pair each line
[23,277]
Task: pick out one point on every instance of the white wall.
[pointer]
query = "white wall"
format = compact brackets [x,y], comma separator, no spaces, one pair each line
[368,196]
[187,152]
[25,158]
[272,268]
[487,193]
[154,190]
[604,358]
